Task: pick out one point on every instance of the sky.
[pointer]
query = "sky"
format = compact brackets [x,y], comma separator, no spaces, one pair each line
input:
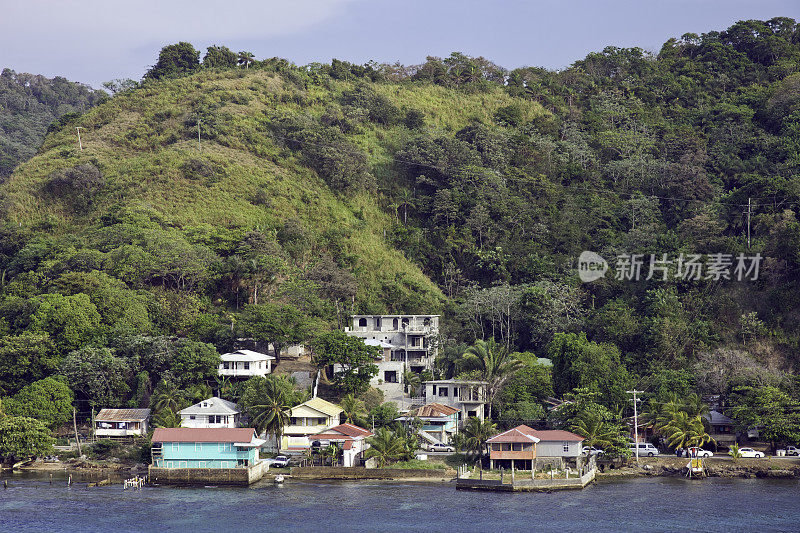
[97,40]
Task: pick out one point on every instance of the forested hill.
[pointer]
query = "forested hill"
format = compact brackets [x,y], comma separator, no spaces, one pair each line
[30,103]
[453,186]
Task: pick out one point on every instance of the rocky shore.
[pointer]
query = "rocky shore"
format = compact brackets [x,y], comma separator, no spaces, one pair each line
[768,467]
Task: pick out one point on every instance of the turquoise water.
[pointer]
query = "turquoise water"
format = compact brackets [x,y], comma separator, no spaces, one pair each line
[646,504]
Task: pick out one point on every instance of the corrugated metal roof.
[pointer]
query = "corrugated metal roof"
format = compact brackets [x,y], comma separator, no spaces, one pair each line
[215,406]
[203,435]
[519,433]
[122,415]
[434,410]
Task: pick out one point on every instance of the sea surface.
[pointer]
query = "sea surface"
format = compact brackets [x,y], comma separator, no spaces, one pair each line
[31,503]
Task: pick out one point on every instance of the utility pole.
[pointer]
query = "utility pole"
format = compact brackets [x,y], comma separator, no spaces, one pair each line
[636,421]
[75,427]
[748,223]
[79,138]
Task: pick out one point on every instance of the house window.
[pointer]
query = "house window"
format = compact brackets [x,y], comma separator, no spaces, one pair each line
[191,417]
[470,414]
[405,322]
[198,446]
[293,421]
[526,447]
[377,323]
[426,322]
[394,323]
[247,365]
[516,447]
[226,365]
[443,391]
[496,447]
[362,322]
[506,447]
[566,447]
[390,376]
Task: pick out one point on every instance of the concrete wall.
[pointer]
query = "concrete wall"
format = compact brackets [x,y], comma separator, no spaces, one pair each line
[332,472]
[207,476]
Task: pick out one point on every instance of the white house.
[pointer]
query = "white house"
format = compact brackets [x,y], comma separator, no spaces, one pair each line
[307,419]
[406,342]
[121,423]
[245,364]
[211,413]
[469,397]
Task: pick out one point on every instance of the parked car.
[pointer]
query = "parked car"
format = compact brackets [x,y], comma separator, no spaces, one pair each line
[645,449]
[440,448]
[702,453]
[750,452]
[591,450]
[792,450]
[280,461]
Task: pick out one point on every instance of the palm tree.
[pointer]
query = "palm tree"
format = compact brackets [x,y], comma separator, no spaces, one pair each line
[167,397]
[270,414]
[406,199]
[245,58]
[412,381]
[168,419]
[494,363]
[353,409]
[595,431]
[685,431]
[476,433]
[199,392]
[385,446]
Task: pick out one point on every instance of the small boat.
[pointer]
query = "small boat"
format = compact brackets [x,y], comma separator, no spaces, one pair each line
[279,479]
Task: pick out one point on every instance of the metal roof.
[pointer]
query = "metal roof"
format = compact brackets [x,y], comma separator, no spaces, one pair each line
[122,415]
[318,404]
[433,410]
[524,433]
[245,355]
[233,435]
[214,406]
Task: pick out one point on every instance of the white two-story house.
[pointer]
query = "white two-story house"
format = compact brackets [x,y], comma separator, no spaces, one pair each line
[245,364]
[469,397]
[211,413]
[406,342]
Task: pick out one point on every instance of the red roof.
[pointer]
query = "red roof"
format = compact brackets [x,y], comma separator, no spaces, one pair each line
[524,433]
[342,432]
[203,434]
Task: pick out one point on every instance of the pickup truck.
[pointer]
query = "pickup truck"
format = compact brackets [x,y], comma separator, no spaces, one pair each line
[792,450]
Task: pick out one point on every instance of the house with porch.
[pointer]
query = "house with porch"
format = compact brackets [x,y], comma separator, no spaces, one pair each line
[406,342]
[307,420]
[205,448]
[723,428]
[350,438]
[245,364]
[439,422]
[210,413]
[469,397]
[121,423]
[522,446]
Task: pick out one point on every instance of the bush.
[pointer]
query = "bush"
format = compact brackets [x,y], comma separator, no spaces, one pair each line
[379,108]
[77,185]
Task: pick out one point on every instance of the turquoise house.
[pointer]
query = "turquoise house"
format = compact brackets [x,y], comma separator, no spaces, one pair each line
[205,447]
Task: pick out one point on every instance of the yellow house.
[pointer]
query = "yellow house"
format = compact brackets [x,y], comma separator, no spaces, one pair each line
[307,419]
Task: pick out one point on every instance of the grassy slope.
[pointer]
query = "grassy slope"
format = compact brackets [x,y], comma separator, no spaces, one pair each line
[141,140]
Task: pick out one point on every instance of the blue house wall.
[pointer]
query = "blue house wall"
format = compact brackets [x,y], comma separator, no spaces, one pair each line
[204,455]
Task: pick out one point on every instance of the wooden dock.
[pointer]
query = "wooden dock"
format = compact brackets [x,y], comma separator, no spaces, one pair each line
[527,485]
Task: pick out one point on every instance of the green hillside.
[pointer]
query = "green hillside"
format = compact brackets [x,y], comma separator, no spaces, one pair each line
[453,187]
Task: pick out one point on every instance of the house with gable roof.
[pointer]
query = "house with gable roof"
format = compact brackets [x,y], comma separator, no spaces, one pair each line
[350,438]
[210,413]
[307,419]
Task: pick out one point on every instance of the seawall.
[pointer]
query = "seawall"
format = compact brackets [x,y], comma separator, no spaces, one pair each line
[334,472]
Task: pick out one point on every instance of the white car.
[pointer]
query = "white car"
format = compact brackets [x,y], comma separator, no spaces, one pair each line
[591,450]
[704,453]
[750,452]
[440,448]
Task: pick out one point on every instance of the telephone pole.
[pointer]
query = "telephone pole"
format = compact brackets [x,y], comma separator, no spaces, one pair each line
[748,223]
[79,138]
[636,420]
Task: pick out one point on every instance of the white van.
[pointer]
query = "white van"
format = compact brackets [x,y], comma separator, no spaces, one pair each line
[645,449]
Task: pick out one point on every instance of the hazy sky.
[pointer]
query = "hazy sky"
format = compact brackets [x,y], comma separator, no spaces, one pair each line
[96,40]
